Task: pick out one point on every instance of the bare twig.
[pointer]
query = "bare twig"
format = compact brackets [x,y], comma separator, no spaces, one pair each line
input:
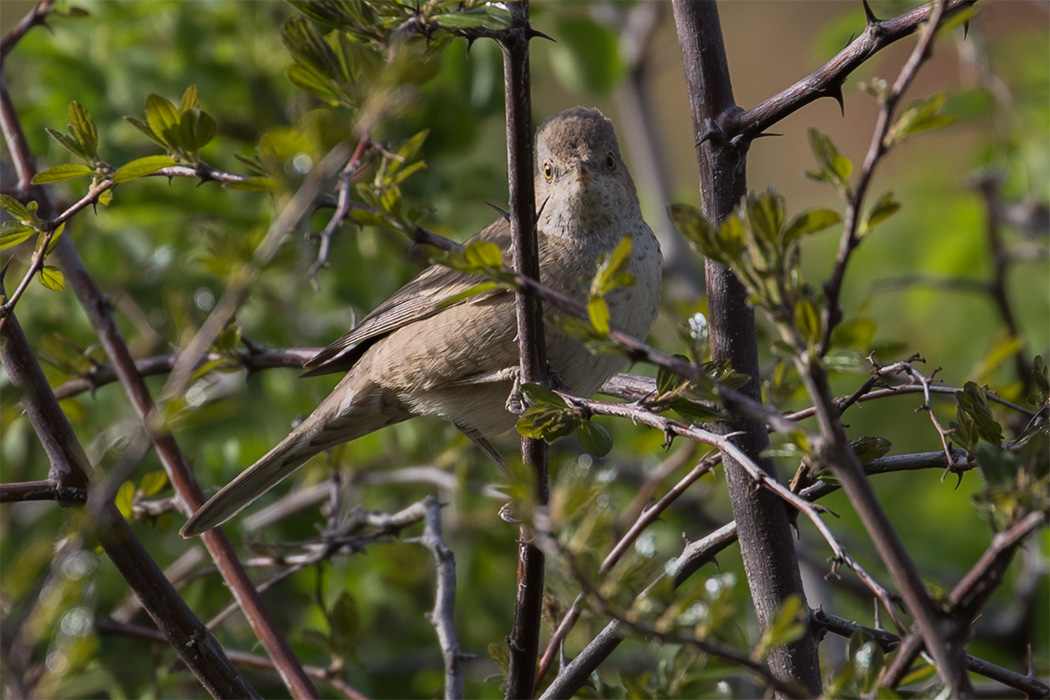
[342,209]
[42,491]
[442,616]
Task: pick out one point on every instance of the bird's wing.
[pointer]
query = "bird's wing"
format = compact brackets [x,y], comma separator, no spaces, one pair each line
[420,298]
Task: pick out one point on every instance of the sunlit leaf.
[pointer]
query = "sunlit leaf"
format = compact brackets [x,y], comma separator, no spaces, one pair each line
[52,278]
[140,167]
[59,173]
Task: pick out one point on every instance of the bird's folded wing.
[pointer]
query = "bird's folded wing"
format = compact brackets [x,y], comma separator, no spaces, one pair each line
[421,298]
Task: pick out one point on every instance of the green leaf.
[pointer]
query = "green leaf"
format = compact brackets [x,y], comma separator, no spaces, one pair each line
[595,438]
[55,236]
[545,423]
[666,380]
[124,499]
[345,621]
[24,213]
[695,412]
[765,214]
[153,482]
[540,395]
[812,221]
[163,120]
[787,625]
[920,115]
[52,278]
[196,130]
[598,312]
[479,257]
[190,100]
[696,229]
[82,126]
[833,166]
[807,321]
[59,173]
[885,207]
[868,448]
[140,167]
[259,184]
[68,143]
[13,233]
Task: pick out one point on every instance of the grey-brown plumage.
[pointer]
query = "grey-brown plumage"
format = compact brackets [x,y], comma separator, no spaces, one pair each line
[413,356]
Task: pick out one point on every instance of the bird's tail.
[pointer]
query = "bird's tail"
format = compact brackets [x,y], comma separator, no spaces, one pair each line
[337,420]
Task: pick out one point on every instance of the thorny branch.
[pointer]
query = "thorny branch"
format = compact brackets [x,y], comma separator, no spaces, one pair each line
[935,14]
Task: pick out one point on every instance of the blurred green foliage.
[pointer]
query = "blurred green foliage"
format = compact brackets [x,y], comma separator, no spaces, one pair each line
[264,90]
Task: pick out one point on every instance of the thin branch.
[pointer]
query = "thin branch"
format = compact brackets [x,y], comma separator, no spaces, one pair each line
[42,491]
[36,16]
[524,637]
[342,210]
[442,616]
[827,80]
[832,313]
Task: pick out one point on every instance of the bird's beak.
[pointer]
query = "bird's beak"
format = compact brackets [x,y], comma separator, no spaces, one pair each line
[583,170]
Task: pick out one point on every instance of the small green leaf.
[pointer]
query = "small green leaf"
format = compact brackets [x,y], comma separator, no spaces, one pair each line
[595,438]
[68,143]
[545,423]
[262,184]
[13,233]
[24,213]
[52,278]
[885,207]
[59,173]
[834,167]
[807,321]
[540,395]
[82,126]
[163,120]
[196,130]
[870,447]
[855,333]
[696,229]
[140,167]
[190,100]
[920,115]
[787,625]
[124,499]
[812,221]
[55,236]
[598,312]
[765,214]
[666,380]
[153,482]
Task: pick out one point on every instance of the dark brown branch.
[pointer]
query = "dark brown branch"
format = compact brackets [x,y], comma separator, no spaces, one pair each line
[827,80]
[524,637]
[42,491]
[766,540]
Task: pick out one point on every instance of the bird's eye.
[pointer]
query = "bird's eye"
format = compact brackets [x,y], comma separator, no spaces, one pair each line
[610,161]
[548,170]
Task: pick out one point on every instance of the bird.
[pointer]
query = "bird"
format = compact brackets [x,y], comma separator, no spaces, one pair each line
[419,354]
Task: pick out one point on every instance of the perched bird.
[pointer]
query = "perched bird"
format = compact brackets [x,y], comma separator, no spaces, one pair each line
[413,355]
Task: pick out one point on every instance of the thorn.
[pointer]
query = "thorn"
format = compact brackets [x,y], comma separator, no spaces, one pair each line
[531,33]
[470,42]
[966,29]
[869,15]
[765,133]
[836,93]
[850,40]
[711,135]
[502,212]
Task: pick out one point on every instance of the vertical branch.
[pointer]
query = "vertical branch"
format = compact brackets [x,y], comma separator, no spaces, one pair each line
[524,637]
[766,543]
